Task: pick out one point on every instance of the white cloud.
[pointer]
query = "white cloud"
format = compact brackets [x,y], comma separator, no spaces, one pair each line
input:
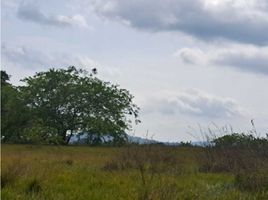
[242,57]
[23,56]
[238,20]
[31,12]
[191,55]
[203,30]
[194,103]
[27,59]
[88,63]
[77,20]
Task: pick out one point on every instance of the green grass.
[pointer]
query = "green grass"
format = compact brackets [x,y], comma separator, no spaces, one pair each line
[70,172]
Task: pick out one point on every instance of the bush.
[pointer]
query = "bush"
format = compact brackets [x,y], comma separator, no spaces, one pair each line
[245,156]
[231,153]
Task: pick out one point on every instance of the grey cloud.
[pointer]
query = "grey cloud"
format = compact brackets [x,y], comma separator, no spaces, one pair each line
[31,12]
[246,58]
[256,62]
[241,21]
[195,103]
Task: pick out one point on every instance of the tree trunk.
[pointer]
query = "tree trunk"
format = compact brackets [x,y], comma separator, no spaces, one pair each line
[69,137]
[64,136]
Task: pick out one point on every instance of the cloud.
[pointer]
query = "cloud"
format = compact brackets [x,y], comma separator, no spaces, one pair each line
[194,103]
[36,59]
[247,58]
[9,4]
[191,55]
[89,63]
[244,21]
[23,58]
[31,12]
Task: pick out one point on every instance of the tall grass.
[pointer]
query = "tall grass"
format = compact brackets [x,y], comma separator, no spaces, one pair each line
[133,172]
[243,155]
[12,172]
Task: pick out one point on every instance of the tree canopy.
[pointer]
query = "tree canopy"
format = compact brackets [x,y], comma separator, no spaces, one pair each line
[74,100]
[68,101]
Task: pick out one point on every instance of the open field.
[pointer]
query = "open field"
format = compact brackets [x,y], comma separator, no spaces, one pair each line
[73,172]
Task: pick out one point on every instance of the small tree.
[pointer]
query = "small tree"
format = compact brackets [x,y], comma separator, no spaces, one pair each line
[14,115]
[72,100]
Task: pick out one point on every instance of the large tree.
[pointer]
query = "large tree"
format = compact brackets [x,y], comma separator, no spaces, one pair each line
[72,101]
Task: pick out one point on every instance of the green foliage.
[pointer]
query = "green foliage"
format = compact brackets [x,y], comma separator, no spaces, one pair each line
[4,78]
[234,139]
[74,100]
[14,114]
[241,140]
[38,133]
[186,144]
[54,105]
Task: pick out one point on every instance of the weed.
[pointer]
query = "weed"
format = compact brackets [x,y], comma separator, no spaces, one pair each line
[34,186]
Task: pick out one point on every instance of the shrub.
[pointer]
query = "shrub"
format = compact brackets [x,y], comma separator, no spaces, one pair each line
[245,156]
[231,153]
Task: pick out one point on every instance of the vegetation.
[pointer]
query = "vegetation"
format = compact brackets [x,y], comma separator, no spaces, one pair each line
[132,172]
[14,115]
[52,106]
[60,102]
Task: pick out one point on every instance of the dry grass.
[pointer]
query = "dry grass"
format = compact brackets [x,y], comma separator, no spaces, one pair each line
[148,172]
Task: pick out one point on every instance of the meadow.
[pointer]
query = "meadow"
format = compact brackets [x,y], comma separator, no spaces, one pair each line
[114,173]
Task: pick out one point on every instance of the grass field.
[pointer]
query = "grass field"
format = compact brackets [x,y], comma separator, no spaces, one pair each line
[99,173]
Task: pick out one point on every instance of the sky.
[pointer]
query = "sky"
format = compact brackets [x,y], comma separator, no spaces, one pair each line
[189,63]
